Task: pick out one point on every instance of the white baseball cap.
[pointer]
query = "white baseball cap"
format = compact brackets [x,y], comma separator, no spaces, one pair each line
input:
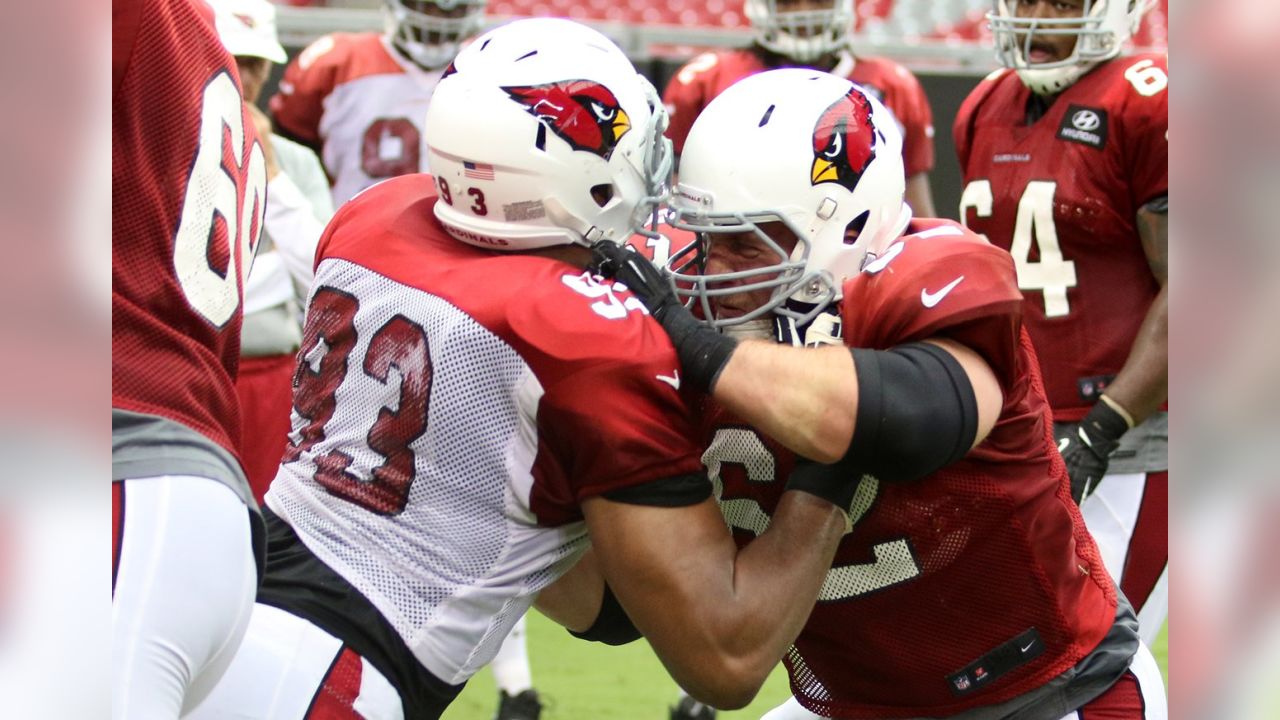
[248,28]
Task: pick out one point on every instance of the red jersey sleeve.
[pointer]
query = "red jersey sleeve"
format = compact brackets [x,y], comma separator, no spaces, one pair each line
[943,281]
[308,80]
[615,425]
[612,414]
[687,93]
[1145,127]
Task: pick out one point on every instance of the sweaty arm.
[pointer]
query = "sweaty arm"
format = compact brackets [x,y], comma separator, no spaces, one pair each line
[919,196]
[1143,383]
[814,411]
[718,617]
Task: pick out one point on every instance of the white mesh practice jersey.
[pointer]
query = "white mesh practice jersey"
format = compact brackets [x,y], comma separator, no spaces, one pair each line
[452,408]
[362,103]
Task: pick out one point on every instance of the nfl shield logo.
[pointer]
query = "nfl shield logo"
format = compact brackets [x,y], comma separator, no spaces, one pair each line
[962,682]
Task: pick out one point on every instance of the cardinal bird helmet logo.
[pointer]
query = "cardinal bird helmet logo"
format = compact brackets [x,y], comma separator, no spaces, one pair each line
[844,141]
[582,112]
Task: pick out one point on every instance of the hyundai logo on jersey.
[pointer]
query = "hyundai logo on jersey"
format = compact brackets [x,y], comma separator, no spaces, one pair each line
[844,141]
[583,113]
[1084,125]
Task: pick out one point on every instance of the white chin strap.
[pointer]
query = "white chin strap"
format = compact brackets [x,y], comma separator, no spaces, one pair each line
[1052,81]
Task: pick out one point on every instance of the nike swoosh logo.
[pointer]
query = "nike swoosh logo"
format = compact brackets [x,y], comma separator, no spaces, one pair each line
[930,299]
[1063,443]
[1029,646]
[673,380]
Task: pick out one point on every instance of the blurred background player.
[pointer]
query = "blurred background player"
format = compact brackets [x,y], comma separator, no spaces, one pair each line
[968,586]
[297,209]
[188,183]
[816,34]
[359,99]
[450,459]
[1066,166]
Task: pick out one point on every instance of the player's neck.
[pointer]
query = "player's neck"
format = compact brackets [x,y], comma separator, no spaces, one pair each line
[404,55]
[773,60]
[1038,106]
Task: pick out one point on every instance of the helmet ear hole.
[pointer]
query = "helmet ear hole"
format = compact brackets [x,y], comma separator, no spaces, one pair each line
[855,226]
[602,193]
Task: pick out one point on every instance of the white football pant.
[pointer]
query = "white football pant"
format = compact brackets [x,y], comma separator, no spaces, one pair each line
[288,669]
[183,591]
[1128,518]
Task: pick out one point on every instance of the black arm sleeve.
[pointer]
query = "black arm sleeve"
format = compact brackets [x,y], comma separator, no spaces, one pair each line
[917,412]
[612,626]
[677,491]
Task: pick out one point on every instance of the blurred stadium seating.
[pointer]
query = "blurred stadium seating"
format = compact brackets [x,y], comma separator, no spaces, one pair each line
[945,42]
[954,23]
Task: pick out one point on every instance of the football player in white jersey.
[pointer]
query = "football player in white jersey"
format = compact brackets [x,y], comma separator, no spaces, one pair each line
[359,99]
[473,409]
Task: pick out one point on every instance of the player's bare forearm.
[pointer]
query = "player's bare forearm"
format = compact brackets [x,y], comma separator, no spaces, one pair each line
[720,619]
[919,196]
[1142,385]
[805,398]
[574,599]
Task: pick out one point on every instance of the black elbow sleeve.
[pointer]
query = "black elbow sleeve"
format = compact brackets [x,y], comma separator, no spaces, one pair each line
[612,626]
[917,412]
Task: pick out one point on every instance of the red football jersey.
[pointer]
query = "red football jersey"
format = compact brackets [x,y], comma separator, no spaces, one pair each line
[940,572]
[188,184]
[1062,196]
[703,78]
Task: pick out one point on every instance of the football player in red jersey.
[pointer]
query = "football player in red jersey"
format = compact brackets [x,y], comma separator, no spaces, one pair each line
[1065,162]
[968,586]
[810,33]
[473,408]
[188,185]
[358,99]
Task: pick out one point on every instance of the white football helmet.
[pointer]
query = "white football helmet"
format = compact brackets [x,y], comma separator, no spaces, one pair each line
[802,35]
[1101,31]
[802,147]
[429,32]
[542,133]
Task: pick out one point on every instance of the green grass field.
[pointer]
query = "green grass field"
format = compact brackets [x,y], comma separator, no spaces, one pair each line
[588,681]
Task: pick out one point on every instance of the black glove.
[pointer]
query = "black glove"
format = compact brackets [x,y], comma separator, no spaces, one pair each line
[1089,450]
[703,351]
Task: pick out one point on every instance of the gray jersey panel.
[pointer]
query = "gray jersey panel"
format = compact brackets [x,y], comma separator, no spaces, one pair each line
[145,446]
